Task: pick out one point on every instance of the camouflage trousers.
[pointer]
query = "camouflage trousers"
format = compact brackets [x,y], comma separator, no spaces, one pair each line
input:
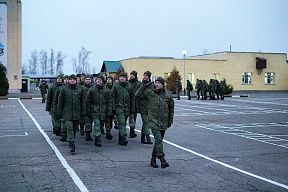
[122,119]
[145,129]
[158,144]
[71,127]
[132,120]
[88,124]
[43,97]
[55,122]
[63,126]
[109,123]
[97,127]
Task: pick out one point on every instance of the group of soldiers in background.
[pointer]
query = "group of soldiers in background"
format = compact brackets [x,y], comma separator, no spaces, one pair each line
[74,101]
[215,89]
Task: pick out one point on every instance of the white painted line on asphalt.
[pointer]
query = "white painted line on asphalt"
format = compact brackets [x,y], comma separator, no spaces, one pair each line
[71,172]
[223,164]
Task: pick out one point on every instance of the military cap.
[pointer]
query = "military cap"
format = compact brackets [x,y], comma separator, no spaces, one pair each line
[88,76]
[66,76]
[61,76]
[72,76]
[134,73]
[124,74]
[161,80]
[110,77]
[148,73]
[100,77]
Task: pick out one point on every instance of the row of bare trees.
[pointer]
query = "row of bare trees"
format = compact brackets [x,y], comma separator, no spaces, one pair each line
[53,63]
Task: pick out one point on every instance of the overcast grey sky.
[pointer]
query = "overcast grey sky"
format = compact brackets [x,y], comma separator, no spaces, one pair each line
[121,29]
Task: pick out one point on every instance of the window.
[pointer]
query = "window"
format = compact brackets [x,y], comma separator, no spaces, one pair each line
[269,78]
[191,78]
[217,76]
[246,78]
[166,75]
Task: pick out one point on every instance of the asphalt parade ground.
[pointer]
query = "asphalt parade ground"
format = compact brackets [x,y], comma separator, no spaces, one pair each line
[236,144]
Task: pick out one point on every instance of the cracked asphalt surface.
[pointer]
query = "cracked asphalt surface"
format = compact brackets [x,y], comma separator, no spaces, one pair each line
[228,131]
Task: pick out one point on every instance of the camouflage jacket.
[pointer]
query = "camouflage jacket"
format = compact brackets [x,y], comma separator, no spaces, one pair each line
[43,88]
[99,104]
[70,103]
[123,98]
[189,86]
[51,95]
[160,105]
[141,103]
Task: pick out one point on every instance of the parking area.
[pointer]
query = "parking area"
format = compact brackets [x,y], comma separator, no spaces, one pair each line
[236,144]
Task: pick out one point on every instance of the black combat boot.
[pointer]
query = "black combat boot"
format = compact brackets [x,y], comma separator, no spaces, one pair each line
[122,140]
[108,135]
[148,140]
[153,162]
[63,136]
[164,163]
[88,137]
[82,129]
[132,132]
[143,138]
[72,146]
[116,126]
[98,141]
[56,131]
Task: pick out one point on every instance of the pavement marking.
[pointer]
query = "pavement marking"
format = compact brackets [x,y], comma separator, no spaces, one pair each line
[235,129]
[71,172]
[221,163]
[7,106]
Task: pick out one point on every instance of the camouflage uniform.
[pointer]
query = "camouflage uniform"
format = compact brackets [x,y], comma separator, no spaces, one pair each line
[98,108]
[204,89]
[50,106]
[109,119]
[71,108]
[123,105]
[43,89]
[198,87]
[132,117]
[160,105]
[222,88]
[189,88]
[178,88]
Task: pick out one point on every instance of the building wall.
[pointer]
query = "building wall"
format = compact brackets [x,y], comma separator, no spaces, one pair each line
[229,65]
[14,45]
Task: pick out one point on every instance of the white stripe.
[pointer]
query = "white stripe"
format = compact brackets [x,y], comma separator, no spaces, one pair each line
[225,165]
[72,173]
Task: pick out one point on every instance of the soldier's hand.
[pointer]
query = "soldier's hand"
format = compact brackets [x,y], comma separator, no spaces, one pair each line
[148,84]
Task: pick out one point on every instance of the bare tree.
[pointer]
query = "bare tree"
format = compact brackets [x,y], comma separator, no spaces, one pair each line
[51,61]
[94,70]
[43,61]
[82,65]
[60,62]
[33,63]
[25,69]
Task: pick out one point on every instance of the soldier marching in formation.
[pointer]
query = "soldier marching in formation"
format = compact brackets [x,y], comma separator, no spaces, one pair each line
[215,89]
[43,89]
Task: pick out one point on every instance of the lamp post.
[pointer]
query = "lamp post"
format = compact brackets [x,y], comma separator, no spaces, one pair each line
[184,52]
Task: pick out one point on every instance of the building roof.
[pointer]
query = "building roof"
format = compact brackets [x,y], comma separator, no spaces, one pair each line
[111,66]
[48,76]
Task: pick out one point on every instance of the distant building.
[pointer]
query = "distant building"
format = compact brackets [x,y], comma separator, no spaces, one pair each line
[243,70]
[111,67]
[11,42]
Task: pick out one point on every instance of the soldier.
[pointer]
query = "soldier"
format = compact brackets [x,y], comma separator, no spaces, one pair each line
[50,105]
[160,111]
[133,80]
[43,88]
[109,119]
[99,106]
[71,107]
[222,88]
[178,88]
[198,87]
[123,105]
[88,120]
[82,120]
[189,88]
[218,87]
[204,89]
[141,107]
[63,132]
[211,88]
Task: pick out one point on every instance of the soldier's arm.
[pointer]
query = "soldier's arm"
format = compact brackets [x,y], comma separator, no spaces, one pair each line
[109,105]
[83,103]
[89,103]
[113,98]
[49,96]
[140,92]
[55,101]
[171,110]
[61,101]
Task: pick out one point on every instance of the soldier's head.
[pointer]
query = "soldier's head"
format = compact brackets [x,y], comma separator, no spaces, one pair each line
[110,80]
[59,79]
[78,79]
[66,79]
[159,83]
[88,79]
[146,75]
[72,79]
[133,75]
[123,77]
[82,77]
[99,80]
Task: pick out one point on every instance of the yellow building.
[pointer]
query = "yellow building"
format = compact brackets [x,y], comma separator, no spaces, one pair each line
[238,68]
[11,42]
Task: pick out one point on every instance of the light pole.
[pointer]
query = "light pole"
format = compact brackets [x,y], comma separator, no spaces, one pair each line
[184,52]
